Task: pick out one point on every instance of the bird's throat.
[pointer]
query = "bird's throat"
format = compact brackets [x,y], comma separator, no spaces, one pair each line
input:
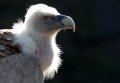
[44,54]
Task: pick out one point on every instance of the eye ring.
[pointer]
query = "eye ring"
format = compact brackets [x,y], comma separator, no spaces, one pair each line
[44,18]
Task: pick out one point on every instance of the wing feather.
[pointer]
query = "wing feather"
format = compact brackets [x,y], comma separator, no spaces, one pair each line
[7,46]
[16,68]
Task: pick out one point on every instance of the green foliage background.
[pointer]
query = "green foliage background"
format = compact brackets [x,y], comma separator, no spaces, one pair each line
[92,53]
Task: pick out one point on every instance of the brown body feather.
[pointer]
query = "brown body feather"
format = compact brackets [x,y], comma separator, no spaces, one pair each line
[7,46]
[15,66]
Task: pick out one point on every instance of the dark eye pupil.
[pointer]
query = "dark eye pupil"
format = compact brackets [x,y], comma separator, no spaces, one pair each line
[45,18]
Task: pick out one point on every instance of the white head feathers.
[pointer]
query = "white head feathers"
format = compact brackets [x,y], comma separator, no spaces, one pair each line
[40,8]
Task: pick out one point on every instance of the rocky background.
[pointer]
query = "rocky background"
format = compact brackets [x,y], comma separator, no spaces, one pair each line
[92,53]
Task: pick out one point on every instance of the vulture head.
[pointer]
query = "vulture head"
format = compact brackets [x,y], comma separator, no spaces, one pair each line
[46,20]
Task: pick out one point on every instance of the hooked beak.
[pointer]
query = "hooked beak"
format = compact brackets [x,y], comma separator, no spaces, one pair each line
[66,21]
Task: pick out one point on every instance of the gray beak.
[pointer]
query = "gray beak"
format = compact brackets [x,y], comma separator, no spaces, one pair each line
[67,21]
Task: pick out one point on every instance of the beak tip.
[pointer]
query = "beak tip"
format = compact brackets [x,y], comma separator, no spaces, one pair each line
[74,27]
[74,30]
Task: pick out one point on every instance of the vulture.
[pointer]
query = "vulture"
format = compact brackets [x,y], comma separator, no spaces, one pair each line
[28,51]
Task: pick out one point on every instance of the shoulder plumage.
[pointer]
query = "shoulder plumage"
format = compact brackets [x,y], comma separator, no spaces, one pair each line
[7,46]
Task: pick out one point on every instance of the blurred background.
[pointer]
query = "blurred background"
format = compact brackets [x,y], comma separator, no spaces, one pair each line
[92,53]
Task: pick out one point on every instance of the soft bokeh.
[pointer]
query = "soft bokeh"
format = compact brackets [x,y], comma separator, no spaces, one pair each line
[92,53]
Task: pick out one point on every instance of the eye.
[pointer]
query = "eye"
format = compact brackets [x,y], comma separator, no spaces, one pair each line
[44,18]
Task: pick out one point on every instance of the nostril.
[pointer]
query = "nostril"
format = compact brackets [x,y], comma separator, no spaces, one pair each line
[60,17]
